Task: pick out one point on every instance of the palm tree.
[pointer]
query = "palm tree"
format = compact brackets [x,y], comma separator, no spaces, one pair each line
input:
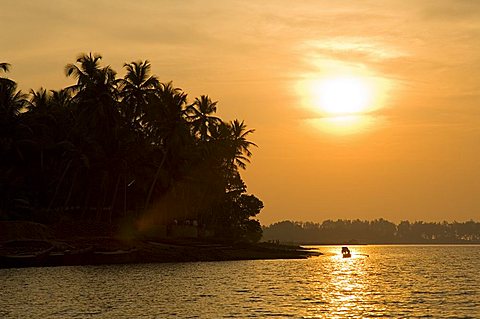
[167,129]
[5,66]
[164,120]
[241,146]
[94,84]
[135,88]
[226,152]
[95,96]
[11,100]
[116,145]
[86,73]
[97,123]
[61,98]
[199,114]
[39,100]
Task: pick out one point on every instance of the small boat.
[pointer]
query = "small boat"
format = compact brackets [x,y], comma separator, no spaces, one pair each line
[346,252]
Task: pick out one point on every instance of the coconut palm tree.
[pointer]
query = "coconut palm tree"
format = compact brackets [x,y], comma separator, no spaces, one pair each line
[134,89]
[110,146]
[88,73]
[97,124]
[95,98]
[94,84]
[199,114]
[164,120]
[11,100]
[167,129]
[61,99]
[240,144]
[39,100]
[5,66]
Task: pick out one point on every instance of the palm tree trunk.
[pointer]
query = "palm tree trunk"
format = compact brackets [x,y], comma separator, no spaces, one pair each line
[112,206]
[41,160]
[57,188]
[125,195]
[105,184]
[70,191]
[157,174]
[87,200]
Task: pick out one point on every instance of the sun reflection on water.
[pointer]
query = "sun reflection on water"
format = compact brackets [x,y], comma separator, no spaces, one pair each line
[395,282]
[346,283]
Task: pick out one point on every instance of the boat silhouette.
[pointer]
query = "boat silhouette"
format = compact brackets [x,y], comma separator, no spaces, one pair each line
[346,252]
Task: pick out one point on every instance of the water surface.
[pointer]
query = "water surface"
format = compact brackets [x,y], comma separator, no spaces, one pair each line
[394,281]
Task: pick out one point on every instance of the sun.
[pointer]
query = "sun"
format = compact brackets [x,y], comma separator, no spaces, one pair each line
[343,95]
[343,101]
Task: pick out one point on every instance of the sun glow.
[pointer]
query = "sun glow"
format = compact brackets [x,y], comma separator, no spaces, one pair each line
[343,125]
[343,103]
[340,96]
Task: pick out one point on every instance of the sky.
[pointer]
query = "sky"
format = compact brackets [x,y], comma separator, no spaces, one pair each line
[411,152]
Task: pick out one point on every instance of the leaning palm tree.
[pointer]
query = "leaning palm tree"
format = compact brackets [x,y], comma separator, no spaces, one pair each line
[241,146]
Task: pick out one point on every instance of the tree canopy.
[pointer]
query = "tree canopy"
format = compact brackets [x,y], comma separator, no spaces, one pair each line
[378,231]
[109,149]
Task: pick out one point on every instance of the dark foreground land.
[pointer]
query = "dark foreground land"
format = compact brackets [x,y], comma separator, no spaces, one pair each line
[34,245]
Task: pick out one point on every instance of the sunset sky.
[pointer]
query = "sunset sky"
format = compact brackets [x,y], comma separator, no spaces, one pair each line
[362,109]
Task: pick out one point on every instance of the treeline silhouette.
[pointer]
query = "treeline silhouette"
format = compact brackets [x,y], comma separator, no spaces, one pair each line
[109,149]
[378,231]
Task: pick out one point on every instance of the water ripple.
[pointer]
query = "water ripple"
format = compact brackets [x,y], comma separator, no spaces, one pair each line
[394,282]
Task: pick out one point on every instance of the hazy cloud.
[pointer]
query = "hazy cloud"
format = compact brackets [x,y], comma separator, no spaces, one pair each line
[251,55]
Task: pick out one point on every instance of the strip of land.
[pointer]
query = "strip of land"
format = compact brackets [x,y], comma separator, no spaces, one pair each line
[33,245]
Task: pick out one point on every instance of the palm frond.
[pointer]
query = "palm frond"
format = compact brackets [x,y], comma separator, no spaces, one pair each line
[5,66]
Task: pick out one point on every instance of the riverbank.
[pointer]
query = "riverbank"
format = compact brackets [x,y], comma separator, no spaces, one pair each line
[34,245]
[95,251]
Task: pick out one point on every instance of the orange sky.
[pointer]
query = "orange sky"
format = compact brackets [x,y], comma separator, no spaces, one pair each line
[415,156]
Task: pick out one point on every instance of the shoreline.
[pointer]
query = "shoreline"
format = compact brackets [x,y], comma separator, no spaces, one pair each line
[385,244]
[108,250]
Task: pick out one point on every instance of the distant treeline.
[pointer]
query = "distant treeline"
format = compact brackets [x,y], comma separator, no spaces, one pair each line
[108,149]
[378,231]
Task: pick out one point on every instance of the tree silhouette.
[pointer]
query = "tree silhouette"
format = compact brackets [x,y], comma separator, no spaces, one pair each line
[135,89]
[105,149]
[200,116]
[378,231]
[241,146]
[11,100]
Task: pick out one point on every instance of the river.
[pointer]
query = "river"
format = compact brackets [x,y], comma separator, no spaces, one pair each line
[392,281]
